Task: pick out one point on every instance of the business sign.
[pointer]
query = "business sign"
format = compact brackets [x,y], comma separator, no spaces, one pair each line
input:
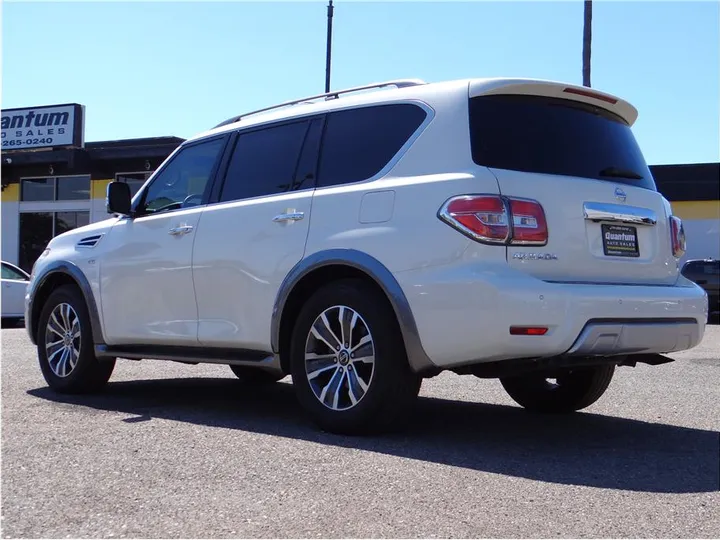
[43,127]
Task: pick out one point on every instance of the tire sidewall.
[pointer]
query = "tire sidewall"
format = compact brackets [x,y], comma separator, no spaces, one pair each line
[87,361]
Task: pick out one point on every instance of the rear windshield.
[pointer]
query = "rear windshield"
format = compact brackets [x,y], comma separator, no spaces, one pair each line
[555,136]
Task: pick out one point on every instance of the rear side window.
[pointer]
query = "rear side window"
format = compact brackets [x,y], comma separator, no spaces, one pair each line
[358,143]
[555,136]
[264,161]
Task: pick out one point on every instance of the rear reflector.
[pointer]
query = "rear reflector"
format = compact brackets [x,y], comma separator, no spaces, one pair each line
[528,330]
[494,219]
[593,95]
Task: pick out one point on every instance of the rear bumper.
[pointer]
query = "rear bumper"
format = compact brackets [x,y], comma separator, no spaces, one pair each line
[464,314]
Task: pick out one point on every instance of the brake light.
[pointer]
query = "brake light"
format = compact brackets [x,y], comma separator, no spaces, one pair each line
[677,235]
[494,219]
[593,95]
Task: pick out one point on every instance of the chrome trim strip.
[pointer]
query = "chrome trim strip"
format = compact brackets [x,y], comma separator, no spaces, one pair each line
[617,213]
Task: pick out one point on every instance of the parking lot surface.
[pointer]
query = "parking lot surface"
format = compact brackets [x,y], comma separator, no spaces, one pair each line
[170,450]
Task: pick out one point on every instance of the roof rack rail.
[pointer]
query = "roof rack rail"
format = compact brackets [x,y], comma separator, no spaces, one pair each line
[398,83]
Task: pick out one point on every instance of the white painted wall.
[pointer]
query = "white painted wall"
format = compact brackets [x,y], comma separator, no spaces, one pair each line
[10,222]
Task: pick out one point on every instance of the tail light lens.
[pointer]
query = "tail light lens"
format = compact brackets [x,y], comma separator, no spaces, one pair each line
[494,219]
[529,225]
[482,217]
[677,232]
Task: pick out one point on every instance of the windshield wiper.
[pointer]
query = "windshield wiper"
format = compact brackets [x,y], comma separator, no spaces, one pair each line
[615,172]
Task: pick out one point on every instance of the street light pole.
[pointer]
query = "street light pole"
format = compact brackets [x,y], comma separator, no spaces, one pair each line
[329,46]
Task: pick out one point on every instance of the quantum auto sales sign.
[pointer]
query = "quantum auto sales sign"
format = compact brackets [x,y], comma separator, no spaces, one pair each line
[42,127]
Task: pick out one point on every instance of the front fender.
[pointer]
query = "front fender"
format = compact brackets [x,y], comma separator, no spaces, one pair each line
[41,287]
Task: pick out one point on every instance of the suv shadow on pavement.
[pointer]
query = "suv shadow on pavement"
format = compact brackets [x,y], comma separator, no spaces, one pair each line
[581,449]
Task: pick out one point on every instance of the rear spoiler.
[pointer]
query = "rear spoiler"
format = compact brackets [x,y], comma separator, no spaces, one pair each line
[537,87]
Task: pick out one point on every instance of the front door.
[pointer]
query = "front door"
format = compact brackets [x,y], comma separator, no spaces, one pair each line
[146,281]
[14,284]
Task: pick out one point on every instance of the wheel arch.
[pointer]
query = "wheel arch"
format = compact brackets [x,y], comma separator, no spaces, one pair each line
[55,275]
[325,266]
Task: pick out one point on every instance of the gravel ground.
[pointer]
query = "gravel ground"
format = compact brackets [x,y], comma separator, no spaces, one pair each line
[170,450]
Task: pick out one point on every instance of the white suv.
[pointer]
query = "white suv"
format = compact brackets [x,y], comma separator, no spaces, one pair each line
[362,240]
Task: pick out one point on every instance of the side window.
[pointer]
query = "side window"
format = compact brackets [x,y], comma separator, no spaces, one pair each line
[358,143]
[182,183]
[264,162]
[10,273]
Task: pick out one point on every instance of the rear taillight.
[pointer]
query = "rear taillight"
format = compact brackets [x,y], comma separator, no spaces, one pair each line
[494,219]
[677,234]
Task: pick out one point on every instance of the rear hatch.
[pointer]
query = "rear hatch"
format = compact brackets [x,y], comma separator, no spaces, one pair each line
[572,150]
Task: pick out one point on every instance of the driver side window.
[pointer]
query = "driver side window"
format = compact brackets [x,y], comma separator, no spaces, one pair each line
[182,183]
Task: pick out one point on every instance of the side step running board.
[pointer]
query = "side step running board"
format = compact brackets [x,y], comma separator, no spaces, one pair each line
[192,355]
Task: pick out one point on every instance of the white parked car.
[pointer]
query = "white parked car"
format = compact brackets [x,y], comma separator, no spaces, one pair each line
[365,239]
[14,283]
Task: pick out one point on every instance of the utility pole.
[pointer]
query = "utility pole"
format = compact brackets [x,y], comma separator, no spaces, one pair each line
[587,42]
[329,46]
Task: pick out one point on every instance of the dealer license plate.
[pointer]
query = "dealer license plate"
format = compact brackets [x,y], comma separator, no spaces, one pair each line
[620,241]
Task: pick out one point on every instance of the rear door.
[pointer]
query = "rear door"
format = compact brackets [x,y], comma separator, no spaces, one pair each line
[255,232]
[577,157]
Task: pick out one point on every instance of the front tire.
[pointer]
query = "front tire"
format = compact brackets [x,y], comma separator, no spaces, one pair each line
[65,345]
[572,391]
[348,361]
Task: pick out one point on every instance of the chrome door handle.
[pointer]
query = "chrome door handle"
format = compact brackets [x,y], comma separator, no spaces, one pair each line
[180,229]
[289,216]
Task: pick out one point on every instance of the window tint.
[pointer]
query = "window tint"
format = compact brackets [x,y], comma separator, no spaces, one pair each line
[182,183]
[554,136]
[264,161]
[10,273]
[358,143]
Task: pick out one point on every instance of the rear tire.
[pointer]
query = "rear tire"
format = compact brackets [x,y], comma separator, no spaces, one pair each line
[575,390]
[367,385]
[255,375]
[65,345]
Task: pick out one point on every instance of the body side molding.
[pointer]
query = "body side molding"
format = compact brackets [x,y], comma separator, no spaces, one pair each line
[417,357]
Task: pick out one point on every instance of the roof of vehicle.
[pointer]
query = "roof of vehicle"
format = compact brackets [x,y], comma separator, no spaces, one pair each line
[415,89]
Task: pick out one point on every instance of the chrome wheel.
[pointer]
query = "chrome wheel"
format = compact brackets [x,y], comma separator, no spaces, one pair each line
[62,340]
[339,358]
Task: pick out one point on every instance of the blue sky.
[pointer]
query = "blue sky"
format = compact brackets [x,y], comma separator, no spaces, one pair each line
[177,68]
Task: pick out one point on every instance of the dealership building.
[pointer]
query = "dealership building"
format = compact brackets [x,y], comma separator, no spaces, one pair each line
[54,181]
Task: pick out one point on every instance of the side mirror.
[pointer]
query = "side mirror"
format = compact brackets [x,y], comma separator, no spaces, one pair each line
[118,198]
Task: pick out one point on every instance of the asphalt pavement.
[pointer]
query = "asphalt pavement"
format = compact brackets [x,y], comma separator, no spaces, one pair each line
[170,450]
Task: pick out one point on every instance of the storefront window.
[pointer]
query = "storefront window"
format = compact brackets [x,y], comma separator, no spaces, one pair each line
[73,188]
[60,188]
[38,228]
[38,189]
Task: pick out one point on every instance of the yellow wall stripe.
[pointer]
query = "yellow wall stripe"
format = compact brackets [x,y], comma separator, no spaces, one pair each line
[99,188]
[11,193]
[687,210]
